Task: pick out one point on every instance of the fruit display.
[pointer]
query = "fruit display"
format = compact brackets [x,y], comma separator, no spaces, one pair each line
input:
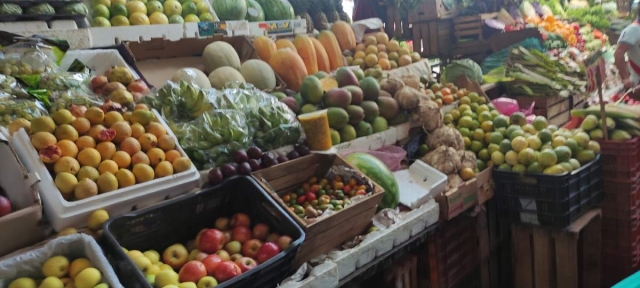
[25,109]
[61,271]
[378,52]
[118,85]
[276,9]
[216,255]
[106,13]
[101,152]
[621,123]
[44,10]
[377,171]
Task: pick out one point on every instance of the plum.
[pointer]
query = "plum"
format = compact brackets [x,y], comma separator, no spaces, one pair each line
[215,176]
[267,160]
[240,156]
[282,159]
[302,150]
[254,164]
[293,155]
[254,152]
[228,170]
[244,168]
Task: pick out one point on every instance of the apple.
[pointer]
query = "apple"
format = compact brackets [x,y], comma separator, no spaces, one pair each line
[175,256]
[267,251]
[235,257]
[251,247]
[246,264]
[211,241]
[151,279]
[186,285]
[284,242]
[192,271]
[224,255]
[5,206]
[240,219]
[226,270]
[165,267]
[166,277]
[273,237]
[222,224]
[207,282]
[152,255]
[200,256]
[241,234]
[153,270]
[211,262]
[142,263]
[196,242]
[233,247]
[227,236]
[57,266]
[135,254]
[193,254]
[260,231]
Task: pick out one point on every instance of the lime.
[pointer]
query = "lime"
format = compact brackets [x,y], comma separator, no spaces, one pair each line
[500,121]
[191,18]
[423,149]
[483,108]
[119,21]
[594,146]
[534,142]
[176,19]
[574,163]
[475,124]
[544,135]
[100,10]
[540,123]
[552,128]
[484,116]
[100,22]
[519,143]
[480,165]
[189,8]
[474,97]
[504,167]
[172,7]
[158,18]
[582,138]
[511,158]
[118,2]
[465,100]
[478,134]
[468,113]
[118,9]
[476,146]
[455,113]
[517,133]
[487,138]
[519,168]
[505,145]
[484,155]
[206,17]
[447,118]
[474,106]
[563,153]
[496,137]
[501,130]
[527,156]
[466,122]
[535,167]
[138,18]
[101,2]
[547,158]
[529,129]
[464,132]
[136,7]
[493,148]
[203,7]
[497,158]
[572,144]
[487,126]
[467,142]
[464,107]
[558,141]
[154,6]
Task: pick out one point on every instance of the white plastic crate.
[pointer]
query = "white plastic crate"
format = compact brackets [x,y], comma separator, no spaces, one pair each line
[323,275]
[419,183]
[62,213]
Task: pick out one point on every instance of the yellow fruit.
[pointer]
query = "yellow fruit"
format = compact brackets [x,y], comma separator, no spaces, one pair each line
[359,55]
[107,182]
[51,282]
[140,158]
[393,46]
[130,145]
[95,115]
[122,158]
[106,149]
[96,219]
[127,116]
[66,164]
[123,130]
[67,231]
[371,60]
[144,117]
[156,129]
[158,18]
[153,256]
[89,157]
[18,124]
[156,155]
[23,282]
[43,139]
[88,278]
[136,7]
[78,265]
[143,173]
[85,142]
[181,164]
[66,132]
[95,131]
[86,188]
[89,173]
[57,266]
[148,141]
[370,40]
[163,169]
[108,166]
[383,55]
[371,49]
[112,117]
[404,51]
[125,178]
[384,64]
[172,155]
[43,124]
[137,130]
[139,18]
[166,142]
[68,148]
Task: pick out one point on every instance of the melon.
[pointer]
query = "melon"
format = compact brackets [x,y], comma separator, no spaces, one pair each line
[277,9]
[230,9]
[223,75]
[378,172]
[254,11]
[192,76]
[258,73]
[219,54]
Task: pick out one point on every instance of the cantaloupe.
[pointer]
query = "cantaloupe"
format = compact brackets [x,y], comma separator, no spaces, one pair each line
[192,76]
[258,73]
[219,54]
[224,75]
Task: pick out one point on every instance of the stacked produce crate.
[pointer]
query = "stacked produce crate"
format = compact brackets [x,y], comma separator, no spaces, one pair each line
[620,210]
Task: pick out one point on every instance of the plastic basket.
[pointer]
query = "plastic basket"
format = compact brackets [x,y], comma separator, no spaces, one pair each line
[179,220]
[553,201]
[620,159]
[621,193]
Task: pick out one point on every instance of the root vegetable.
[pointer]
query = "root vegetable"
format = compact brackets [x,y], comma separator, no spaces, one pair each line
[412,81]
[453,181]
[408,98]
[446,136]
[467,159]
[391,85]
[445,159]
[429,115]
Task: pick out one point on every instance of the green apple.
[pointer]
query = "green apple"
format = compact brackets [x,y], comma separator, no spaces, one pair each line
[23,282]
[151,279]
[233,247]
[207,282]
[187,285]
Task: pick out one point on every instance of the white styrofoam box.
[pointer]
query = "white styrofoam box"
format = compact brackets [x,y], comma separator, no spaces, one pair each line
[423,217]
[110,36]
[100,60]
[402,130]
[419,183]
[369,143]
[278,27]
[345,261]
[17,182]
[61,29]
[63,214]
[321,276]
[77,38]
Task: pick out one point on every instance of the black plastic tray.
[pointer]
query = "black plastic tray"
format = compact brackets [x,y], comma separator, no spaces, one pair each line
[28,3]
[179,220]
[29,17]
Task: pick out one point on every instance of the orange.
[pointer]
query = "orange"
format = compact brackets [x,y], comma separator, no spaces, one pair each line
[108,166]
[445,91]
[447,99]
[89,157]
[156,155]
[122,159]
[172,155]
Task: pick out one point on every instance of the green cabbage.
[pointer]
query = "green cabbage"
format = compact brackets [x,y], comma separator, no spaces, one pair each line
[74,9]
[41,9]
[10,9]
[459,67]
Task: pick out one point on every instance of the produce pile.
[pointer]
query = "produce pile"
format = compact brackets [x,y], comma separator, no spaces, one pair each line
[214,256]
[377,52]
[621,123]
[106,13]
[60,271]
[24,10]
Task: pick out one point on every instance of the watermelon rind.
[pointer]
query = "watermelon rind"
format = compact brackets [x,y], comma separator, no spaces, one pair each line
[277,10]
[230,9]
[377,171]
[254,11]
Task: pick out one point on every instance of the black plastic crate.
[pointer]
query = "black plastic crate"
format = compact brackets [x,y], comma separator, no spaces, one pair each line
[179,220]
[534,205]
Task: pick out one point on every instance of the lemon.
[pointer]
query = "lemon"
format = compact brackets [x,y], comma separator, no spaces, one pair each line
[100,22]
[497,158]
[191,18]
[119,21]
[139,18]
[154,6]
[158,18]
[135,7]
[203,7]
[100,10]
[176,19]
[172,7]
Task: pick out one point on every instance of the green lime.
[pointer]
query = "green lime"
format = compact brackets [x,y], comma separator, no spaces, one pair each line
[100,11]
[484,155]
[118,9]
[207,17]
[189,8]
[191,18]
[423,149]
[476,146]
[119,21]
[203,8]
[100,22]
[154,6]
[101,2]
[176,19]
[172,7]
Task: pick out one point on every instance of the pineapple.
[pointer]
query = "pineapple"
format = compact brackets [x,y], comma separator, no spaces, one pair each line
[329,9]
[343,15]
[300,9]
[319,18]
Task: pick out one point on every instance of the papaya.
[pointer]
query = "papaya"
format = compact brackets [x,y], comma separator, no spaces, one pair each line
[344,34]
[330,44]
[285,43]
[265,47]
[289,66]
[321,56]
[307,52]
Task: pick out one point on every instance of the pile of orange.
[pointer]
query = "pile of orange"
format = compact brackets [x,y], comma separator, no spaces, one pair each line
[445,94]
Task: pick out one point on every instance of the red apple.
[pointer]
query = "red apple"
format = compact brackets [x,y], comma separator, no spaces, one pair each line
[240,219]
[283,242]
[211,262]
[175,256]
[222,224]
[273,237]
[227,235]
[5,206]
[267,251]
[211,241]
[233,247]
[246,264]
[225,271]
[196,242]
[224,255]
[251,247]
[241,234]
[192,271]
[260,231]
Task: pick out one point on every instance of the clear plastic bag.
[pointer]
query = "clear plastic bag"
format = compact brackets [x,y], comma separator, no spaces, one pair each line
[10,86]
[180,102]
[31,62]
[11,109]
[63,81]
[64,100]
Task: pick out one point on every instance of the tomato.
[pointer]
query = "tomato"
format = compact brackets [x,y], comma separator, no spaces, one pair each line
[301,199]
[310,196]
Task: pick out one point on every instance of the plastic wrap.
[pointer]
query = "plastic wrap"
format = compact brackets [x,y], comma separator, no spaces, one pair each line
[10,85]
[64,100]
[508,106]
[10,109]
[63,81]
[180,102]
[33,61]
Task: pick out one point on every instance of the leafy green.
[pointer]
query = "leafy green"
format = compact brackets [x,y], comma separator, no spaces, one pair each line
[459,67]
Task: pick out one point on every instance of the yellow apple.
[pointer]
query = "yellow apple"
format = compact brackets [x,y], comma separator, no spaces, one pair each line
[134,254]
[152,255]
[175,256]
[164,267]
[67,231]
[88,278]
[57,266]
[166,277]
[102,285]
[51,282]
[193,254]
[207,282]
[68,282]
[96,219]
[23,282]
[187,285]
[142,263]
[152,270]
[78,265]
[151,279]
[170,286]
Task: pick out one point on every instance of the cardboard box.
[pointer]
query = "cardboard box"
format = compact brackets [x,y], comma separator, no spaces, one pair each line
[454,202]
[20,228]
[484,180]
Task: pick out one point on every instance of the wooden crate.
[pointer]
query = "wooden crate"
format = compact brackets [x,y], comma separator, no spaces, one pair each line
[433,38]
[329,232]
[468,27]
[563,259]
[403,273]
[432,10]
[396,25]
[556,109]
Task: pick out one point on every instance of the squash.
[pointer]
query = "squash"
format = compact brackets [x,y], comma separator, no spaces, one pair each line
[219,54]
[223,75]
[307,52]
[290,67]
[285,43]
[345,35]
[258,73]
[330,44]
[265,47]
[321,56]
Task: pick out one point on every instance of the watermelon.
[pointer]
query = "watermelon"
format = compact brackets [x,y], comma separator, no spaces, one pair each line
[277,9]
[254,11]
[230,9]
[379,173]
